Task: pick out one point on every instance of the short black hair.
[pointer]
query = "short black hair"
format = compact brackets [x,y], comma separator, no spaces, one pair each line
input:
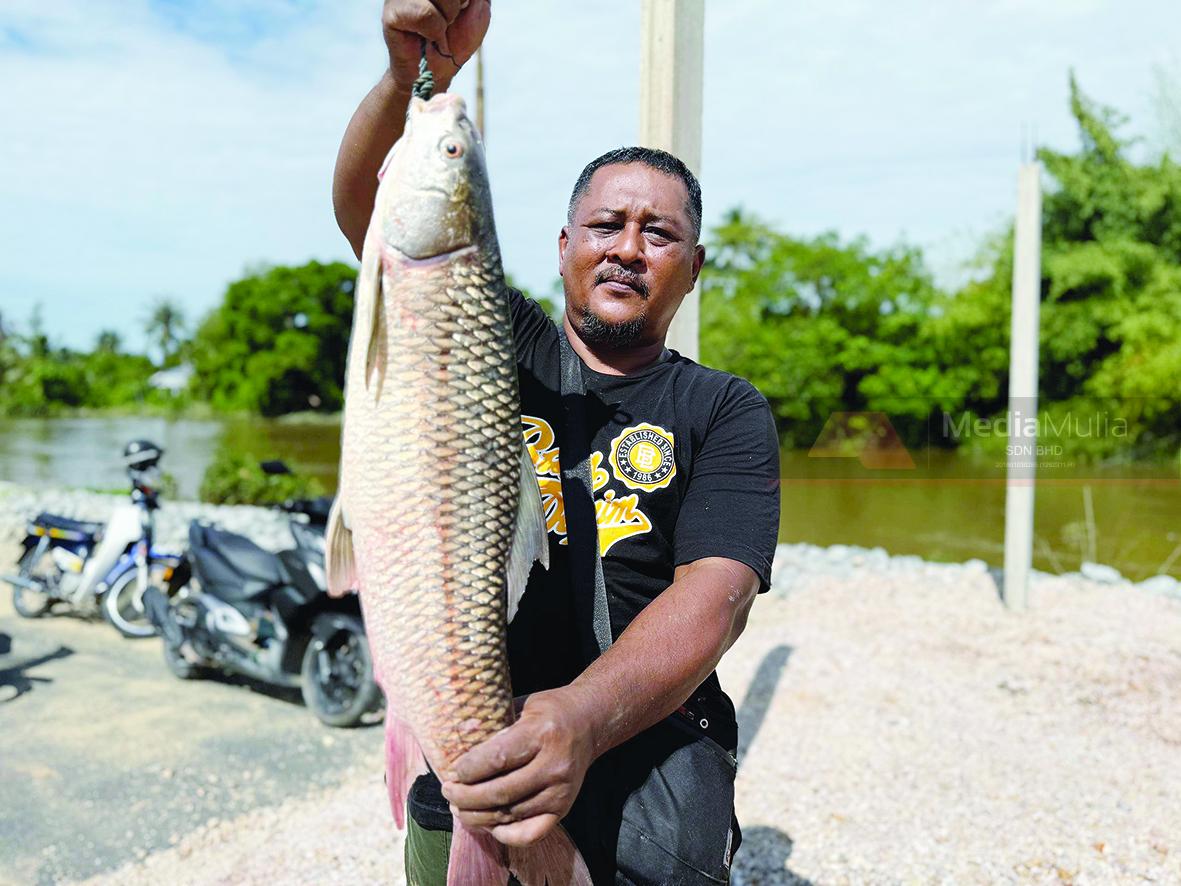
[654,158]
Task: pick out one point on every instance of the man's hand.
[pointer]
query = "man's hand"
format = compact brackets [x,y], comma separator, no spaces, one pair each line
[453,30]
[520,783]
[457,27]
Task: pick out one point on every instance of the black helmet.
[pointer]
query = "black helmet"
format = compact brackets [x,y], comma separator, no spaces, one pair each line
[139,455]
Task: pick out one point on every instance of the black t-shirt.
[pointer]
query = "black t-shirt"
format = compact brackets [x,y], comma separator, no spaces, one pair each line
[685,465]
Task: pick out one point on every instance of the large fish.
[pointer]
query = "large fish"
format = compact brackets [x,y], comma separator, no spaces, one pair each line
[438,519]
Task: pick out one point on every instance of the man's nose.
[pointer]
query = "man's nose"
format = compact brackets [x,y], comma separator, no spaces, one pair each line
[628,246]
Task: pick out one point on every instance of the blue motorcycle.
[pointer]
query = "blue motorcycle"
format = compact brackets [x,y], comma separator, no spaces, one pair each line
[91,566]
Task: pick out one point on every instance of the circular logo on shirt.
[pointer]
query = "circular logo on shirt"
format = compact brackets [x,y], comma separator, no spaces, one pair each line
[642,457]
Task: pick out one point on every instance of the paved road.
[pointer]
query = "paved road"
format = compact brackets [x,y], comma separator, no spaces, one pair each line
[105,756]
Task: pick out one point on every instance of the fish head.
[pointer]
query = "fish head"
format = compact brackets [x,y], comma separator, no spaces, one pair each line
[433,196]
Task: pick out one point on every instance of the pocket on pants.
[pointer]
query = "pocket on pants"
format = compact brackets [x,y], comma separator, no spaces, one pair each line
[676,825]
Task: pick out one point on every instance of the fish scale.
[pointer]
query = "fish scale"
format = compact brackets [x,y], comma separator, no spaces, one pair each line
[462,530]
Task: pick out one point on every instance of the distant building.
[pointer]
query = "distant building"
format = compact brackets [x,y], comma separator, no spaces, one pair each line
[174,380]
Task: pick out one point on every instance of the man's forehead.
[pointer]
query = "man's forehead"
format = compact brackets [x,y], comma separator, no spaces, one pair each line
[635,185]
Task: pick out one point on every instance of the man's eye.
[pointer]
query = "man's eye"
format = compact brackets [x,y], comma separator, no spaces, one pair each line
[604,226]
[657,232]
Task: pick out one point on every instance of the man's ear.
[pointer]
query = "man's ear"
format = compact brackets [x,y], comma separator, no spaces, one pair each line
[698,261]
[563,242]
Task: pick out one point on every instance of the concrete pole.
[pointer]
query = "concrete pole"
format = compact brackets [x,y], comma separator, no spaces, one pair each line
[672,54]
[480,94]
[1023,360]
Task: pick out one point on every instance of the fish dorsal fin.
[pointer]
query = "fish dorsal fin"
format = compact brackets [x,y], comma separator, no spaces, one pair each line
[529,538]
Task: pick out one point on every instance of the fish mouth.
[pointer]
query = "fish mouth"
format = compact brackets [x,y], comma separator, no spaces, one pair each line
[423,261]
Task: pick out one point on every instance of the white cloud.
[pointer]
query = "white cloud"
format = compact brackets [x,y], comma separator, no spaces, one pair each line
[160,147]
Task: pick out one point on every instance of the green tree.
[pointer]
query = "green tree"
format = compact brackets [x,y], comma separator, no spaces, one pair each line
[108,342]
[1111,286]
[278,341]
[38,341]
[165,326]
[1167,98]
[820,326]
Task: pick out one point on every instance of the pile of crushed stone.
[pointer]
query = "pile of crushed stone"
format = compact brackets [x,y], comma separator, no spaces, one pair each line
[898,726]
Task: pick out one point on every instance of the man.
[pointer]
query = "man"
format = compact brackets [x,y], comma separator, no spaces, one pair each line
[684,465]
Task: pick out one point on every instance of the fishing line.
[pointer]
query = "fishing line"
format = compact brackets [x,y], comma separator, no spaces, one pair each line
[424,86]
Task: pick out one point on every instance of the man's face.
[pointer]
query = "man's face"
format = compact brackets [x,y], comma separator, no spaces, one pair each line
[628,256]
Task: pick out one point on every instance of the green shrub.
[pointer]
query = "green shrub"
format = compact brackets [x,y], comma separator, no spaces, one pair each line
[237,479]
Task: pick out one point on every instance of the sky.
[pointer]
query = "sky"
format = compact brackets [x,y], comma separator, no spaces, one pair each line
[162,148]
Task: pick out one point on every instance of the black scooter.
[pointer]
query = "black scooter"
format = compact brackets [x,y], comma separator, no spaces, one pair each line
[239,608]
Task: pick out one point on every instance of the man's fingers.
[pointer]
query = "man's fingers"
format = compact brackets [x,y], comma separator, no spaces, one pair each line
[449,9]
[467,31]
[527,832]
[484,818]
[544,801]
[420,17]
[508,750]
[497,793]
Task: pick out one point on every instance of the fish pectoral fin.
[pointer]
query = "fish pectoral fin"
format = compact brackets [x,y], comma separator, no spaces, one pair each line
[340,566]
[367,308]
[404,762]
[377,334]
[529,538]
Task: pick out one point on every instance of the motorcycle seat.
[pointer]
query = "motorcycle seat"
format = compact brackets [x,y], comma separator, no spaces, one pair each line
[65,524]
[241,569]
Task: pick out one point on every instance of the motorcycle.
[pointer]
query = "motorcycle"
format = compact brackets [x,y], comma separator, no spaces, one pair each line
[239,608]
[94,567]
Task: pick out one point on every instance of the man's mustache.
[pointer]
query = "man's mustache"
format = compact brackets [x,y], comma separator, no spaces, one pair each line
[627,278]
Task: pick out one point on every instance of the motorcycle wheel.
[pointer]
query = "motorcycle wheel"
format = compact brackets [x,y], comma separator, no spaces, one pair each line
[181,667]
[29,604]
[336,678]
[123,607]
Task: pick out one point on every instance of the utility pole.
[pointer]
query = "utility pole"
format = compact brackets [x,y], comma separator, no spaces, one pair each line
[480,94]
[672,54]
[1023,360]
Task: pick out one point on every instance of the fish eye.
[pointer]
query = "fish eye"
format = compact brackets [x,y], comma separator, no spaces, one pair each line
[452,149]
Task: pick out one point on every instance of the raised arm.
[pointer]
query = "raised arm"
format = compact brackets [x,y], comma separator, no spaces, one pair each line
[453,30]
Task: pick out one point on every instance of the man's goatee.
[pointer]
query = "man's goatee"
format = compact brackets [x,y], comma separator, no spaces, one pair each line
[594,330]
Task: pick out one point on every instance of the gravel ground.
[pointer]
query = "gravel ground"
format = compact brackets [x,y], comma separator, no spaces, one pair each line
[106,758]
[899,726]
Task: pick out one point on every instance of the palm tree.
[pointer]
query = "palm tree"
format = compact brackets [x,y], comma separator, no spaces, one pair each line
[165,326]
[108,342]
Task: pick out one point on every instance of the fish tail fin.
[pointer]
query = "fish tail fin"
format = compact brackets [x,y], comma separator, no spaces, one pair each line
[338,546]
[476,857]
[403,762]
[554,860]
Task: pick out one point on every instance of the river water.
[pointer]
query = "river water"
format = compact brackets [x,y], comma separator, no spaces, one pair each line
[951,507]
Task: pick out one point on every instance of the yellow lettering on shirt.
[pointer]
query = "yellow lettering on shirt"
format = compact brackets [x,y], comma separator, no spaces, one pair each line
[617,518]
